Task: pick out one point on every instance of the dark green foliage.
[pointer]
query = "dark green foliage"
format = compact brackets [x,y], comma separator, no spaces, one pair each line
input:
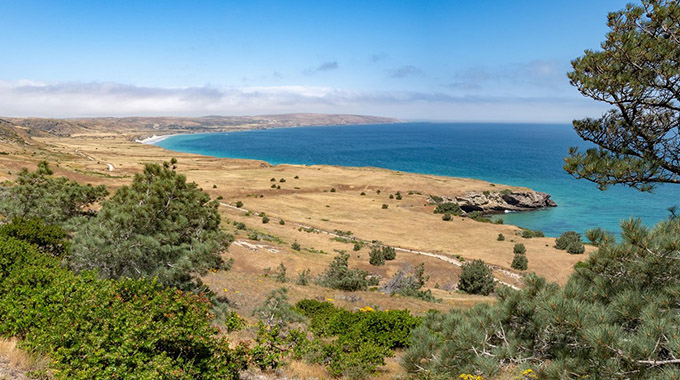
[333,190]
[519,249]
[446,217]
[476,278]
[357,246]
[479,217]
[55,200]
[409,284]
[398,196]
[570,241]
[598,236]
[282,222]
[448,208]
[385,206]
[273,186]
[363,339]
[239,204]
[101,329]
[272,179]
[500,237]
[50,239]
[159,226]
[282,180]
[391,196]
[295,246]
[519,262]
[376,257]
[339,276]
[575,248]
[265,219]
[616,317]
[528,234]
[240,225]
[635,72]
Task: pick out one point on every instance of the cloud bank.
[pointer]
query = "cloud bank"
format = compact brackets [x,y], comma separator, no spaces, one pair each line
[72,99]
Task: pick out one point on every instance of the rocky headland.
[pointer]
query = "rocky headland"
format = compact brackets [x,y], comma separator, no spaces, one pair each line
[499,201]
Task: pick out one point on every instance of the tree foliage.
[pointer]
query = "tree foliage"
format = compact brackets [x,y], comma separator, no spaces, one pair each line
[637,72]
[617,317]
[55,200]
[160,226]
[476,278]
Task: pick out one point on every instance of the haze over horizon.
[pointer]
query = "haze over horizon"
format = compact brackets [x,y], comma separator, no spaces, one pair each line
[487,61]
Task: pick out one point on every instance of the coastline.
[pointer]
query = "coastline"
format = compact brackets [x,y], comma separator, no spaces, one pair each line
[155,139]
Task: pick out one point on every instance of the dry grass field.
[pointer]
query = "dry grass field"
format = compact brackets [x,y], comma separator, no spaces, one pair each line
[324,208]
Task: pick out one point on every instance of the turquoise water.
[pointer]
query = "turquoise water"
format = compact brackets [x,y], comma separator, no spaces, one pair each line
[528,155]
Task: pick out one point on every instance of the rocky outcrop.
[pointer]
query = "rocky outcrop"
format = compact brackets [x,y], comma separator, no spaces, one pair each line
[501,201]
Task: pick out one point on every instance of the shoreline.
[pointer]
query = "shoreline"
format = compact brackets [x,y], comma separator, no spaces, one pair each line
[155,139]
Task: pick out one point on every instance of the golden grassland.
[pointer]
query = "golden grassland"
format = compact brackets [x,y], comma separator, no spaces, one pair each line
[311,210]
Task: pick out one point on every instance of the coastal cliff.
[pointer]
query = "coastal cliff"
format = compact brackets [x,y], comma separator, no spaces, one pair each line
[499,201]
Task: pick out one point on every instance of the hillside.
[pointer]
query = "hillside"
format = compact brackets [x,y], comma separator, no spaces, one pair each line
[145,126]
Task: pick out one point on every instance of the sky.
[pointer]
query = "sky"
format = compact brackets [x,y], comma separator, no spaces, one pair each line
[455,60]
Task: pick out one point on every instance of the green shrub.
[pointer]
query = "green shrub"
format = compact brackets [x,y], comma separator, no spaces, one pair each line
[50,239]
[519,262]
[95,328]
[295,246]
[500,237]
[239,204]
[282,180]
[273,179]
[332,189]
[528,234]
[566,238]
[447,217]
[339,276]
[55,200]
[519,249]
[282,222]
[273,186]
[398,196]
[385,206]
[376,257]
[357,246]
[391,196]
[265,219]
[448,208]
[476,278]
[575,248]
[240,225]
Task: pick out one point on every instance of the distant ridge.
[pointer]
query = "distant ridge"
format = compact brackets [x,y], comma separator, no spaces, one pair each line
[145,126]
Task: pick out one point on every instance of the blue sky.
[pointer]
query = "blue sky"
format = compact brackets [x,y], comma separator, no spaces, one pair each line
[422,60]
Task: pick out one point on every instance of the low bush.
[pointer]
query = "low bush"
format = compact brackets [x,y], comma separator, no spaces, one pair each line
[528,234]
[446,217]
[519,249]
[571,242]
[500,237]
[476,278]
[304,277]
[95,329]
[376,257]
[339,276]
[448,208]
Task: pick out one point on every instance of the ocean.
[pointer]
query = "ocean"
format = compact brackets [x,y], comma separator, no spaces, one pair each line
[529,155]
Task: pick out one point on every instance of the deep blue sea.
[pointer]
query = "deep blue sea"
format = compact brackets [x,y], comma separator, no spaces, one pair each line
[528,155]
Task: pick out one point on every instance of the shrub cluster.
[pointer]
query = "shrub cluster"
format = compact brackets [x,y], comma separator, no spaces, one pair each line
[339,276]
[448,208]
[378,255]
[95,329]
[362,339]
[571,241]
[519,261]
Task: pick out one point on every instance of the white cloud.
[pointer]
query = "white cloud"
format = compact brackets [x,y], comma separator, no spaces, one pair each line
[71,99]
